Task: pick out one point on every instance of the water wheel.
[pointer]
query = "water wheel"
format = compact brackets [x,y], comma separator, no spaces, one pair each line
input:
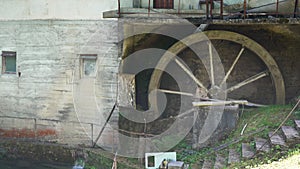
[240,71]
[215,68]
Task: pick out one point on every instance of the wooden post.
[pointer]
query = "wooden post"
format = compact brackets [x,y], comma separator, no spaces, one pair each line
[207,6]
[35,129]
[296,7]
[245,8]
[119,8]
[221,9]
[178,7]
[211,8]
[92,133]
[148,7]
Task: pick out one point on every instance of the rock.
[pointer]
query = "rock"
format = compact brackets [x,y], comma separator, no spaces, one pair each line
[290,134]
[297,122]
[175,165]
[247,151]
[220,162]
[233,157]
[262,145]
[207,164]
[276,139]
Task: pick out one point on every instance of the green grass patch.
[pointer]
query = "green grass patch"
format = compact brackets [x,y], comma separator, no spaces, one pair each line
[266,118]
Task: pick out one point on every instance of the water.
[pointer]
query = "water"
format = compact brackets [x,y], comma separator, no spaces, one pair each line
[27,164]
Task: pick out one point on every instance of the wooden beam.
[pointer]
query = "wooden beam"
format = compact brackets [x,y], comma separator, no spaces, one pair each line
[245,8]
[175,92]
[221,9]
[220,103]
[296,7]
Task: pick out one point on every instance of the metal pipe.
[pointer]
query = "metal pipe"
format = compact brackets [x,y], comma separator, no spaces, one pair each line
[107,120]
[277,8]
[296,7]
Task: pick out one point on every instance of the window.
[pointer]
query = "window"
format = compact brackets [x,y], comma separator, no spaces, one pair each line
[88,65]
[9,62]
[164,4]
[151,161]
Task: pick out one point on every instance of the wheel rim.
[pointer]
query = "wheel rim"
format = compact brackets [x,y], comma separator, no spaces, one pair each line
[246,42]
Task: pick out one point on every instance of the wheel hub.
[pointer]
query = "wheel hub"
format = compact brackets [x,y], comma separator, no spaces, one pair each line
[214,91]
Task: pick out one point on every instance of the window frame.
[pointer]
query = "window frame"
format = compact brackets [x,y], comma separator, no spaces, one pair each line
[82,65]
[4,55]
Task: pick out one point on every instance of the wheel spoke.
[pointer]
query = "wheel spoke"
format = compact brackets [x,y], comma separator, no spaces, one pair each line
[175,92]
[247,81]
[232,66]
[190,74]
[186,113]
[211,64]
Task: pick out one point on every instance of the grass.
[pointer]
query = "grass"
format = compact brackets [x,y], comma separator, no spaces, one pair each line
[266,118]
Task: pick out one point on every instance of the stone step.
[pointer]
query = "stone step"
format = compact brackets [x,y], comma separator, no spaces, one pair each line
[234,156]
[247,151]
[290,134]
[220,162]
[276,139]
[297,122]
[208,164]
[262,145]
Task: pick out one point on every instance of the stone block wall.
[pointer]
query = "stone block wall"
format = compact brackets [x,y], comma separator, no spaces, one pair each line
[50,85]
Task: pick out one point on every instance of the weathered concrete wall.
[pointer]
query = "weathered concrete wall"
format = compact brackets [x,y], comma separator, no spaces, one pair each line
[50,85]
[54,9]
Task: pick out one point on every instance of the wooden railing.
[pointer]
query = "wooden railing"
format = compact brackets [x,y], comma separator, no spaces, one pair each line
[209,10]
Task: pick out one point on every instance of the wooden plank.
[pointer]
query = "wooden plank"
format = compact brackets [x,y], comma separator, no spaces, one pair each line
[290,134]
[276,139]
[126,90]
[262,145]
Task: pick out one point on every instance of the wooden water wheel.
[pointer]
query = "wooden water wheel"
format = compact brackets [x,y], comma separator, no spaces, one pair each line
[268,74]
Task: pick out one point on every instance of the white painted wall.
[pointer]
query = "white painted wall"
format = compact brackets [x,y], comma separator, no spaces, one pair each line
[55,9]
